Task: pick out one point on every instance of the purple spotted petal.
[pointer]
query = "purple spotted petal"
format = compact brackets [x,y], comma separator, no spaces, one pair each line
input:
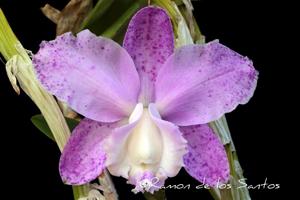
[150,41]
[83,158]
[206,161]
[94,75]
[199,83]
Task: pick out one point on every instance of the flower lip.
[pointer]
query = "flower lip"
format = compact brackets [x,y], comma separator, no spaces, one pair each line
[145,142]
[150,145]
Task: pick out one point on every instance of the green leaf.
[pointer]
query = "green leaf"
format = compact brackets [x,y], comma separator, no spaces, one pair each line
[109,17]
[98,11]
[112,31]
[40,122]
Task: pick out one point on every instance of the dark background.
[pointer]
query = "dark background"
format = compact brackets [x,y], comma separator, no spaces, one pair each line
[249,27]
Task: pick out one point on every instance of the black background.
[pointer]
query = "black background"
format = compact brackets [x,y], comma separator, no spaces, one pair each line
[259,31]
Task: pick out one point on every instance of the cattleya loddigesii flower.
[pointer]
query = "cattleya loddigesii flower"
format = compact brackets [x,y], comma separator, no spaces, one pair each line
[146,105]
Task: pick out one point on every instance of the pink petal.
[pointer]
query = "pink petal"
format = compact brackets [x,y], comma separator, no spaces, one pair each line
[206,161]
[199,83]
[83,158]
[150,41]
[94,75]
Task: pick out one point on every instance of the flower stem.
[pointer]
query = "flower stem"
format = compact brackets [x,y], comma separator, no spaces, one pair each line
[215,193]
[20,68]
[107,185]
[80,191]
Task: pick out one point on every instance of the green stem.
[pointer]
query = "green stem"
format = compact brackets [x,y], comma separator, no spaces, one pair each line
[15,54]
[109,190]
[80,191]
[8,39]
[215,193]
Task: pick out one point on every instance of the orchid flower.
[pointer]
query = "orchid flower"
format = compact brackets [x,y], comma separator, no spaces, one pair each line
[146,105]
